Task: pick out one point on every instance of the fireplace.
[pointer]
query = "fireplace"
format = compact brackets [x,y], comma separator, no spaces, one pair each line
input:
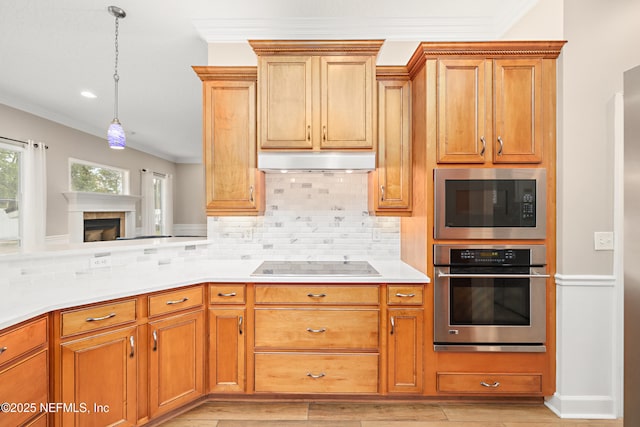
[100,226]
[117,208]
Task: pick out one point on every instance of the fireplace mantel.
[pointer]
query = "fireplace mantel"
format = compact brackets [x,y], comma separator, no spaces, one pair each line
[79,202]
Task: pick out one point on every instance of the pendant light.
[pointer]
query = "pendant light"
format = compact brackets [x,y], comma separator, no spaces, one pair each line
[115,134]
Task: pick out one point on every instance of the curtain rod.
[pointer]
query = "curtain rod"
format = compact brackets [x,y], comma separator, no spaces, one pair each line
[22,142]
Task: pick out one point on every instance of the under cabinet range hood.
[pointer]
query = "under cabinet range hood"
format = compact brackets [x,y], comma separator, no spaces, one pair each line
[316,161]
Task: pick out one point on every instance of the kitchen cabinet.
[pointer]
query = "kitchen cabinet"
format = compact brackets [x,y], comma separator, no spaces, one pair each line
[233,184]
[489,383]
[316,339]
[390,185]
[405,339]
[316,95]
[24,373]
[98,375]
[176,349]
[102,335]
[490,110]
[227,338]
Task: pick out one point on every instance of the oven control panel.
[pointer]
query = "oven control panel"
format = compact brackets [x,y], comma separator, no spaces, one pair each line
[490,256]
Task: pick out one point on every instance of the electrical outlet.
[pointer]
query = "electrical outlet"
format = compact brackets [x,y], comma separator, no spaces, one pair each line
[603,240]
[247,234]
[376,235]
[100,261]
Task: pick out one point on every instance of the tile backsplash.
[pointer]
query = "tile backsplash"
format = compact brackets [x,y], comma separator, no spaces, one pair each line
[309,216]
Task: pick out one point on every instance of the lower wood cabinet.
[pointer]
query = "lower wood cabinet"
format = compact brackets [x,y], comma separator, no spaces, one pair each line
[98,376]
[316,373]
[176,361]
[489,383]
[227,350]
[405,350]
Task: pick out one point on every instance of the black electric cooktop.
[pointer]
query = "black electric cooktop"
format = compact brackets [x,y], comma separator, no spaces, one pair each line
[315,268]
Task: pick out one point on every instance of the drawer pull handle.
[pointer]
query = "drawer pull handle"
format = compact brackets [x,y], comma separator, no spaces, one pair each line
[320,375]
[501,146]
[3,349]
[316,295]
[393,324]
[399,295]
[230,294]
[495,384]
[133,346]
[317,331]
[240,325]
[178,301]
[155,341]
[97,319]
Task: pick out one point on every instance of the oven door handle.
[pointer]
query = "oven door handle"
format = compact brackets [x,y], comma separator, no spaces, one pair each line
[493,276]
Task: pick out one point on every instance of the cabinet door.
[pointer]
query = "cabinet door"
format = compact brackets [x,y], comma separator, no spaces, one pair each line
[232,182]
[25,382]
[405,350]
[346,95]
[176,361]
[518,111]
[100,372]
[227,346]
[464,96]
[393,189]
[285,102]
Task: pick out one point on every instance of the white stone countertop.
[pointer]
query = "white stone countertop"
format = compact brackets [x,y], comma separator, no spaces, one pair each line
[25,301]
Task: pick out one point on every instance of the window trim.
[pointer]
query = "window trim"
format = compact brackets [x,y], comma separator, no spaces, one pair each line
[126,188]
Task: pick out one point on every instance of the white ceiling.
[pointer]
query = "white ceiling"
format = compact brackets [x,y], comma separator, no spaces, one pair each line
[51,50]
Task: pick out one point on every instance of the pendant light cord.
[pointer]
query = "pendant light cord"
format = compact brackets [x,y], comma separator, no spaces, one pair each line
[116,77]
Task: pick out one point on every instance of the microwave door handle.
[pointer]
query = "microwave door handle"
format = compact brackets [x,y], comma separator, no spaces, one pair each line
[493,276]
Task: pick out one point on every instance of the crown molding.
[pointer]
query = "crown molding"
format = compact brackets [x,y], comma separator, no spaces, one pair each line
[230,30]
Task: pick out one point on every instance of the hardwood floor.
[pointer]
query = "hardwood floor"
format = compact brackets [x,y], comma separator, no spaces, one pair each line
[254,414]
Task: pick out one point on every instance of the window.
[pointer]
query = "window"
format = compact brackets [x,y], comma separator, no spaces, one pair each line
[96,178]
[10,190]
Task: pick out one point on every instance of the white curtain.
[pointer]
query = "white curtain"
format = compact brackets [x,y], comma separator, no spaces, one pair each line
[148,203]
[34,196]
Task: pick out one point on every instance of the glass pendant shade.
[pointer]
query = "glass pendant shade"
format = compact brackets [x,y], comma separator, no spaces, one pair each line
[115,135]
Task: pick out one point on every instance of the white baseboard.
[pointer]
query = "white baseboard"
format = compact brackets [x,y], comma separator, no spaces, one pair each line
[60,239]
[582,407]
[190,230]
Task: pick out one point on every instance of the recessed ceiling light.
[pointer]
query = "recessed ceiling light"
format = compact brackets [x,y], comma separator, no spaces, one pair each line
[88,94]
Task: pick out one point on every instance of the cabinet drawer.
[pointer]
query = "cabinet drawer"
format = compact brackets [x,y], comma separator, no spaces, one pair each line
[316,329]
[232,293]
[24,383]
[404,294]
[489,383]
[22,339]
[97,317]
[304,294]
[180,299]
[316,373]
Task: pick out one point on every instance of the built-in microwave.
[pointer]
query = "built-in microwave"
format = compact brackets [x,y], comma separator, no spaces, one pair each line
[486,203]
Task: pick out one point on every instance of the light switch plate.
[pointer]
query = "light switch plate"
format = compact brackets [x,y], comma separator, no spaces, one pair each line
[100,261]
[603,240]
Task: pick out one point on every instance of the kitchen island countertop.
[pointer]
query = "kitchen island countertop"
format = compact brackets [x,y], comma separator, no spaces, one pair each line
[24,301]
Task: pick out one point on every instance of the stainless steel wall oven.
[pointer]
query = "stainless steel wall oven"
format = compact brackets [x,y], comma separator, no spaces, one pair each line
[490,298]
[486,203]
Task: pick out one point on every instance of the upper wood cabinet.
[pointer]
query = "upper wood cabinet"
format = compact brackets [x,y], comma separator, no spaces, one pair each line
[316,95]
[390,185]
[234,186]
[495,100]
